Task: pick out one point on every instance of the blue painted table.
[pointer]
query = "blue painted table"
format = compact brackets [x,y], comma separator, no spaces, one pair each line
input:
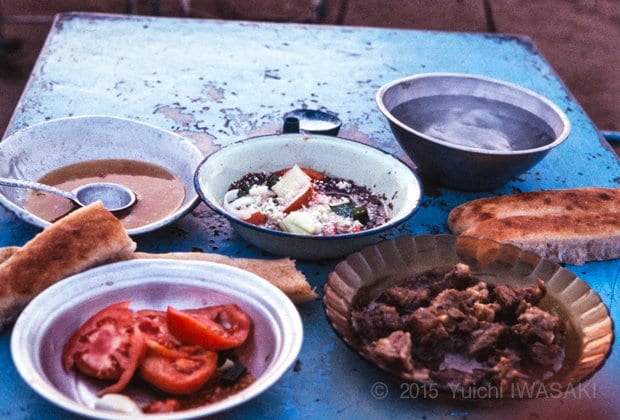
[217,82]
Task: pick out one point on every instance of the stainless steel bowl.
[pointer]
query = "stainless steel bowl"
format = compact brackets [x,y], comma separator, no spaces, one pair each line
[470,132]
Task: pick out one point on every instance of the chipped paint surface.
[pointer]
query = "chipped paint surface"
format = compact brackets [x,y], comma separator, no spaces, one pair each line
[218,82]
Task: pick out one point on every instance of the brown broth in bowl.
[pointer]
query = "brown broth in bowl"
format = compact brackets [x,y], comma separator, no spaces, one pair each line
[158,191]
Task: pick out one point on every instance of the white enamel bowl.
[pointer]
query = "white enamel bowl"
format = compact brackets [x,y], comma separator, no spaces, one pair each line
[49,320]
[384,174]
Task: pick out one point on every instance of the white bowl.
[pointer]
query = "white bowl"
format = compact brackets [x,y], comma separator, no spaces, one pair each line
[384,174]
[35,151]
[49,320]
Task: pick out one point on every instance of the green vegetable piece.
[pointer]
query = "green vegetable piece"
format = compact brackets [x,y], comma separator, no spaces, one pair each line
[244,189]
[360,214]
[343,209]
[272,180]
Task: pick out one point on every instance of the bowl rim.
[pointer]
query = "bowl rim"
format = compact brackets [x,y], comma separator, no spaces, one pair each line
[415,204]
[171,218]
[490,80]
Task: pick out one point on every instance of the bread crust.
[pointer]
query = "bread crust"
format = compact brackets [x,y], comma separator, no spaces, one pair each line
[535,203]
[16,289]
[7,252]
[570,226]
[279,272]
[85,238]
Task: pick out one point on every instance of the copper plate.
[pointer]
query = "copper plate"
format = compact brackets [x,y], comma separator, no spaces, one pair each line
[362,276]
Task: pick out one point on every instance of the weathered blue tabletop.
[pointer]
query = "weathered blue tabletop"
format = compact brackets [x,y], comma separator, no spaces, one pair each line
[217,82]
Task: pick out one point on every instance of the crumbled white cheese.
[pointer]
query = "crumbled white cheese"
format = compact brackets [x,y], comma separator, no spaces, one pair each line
[343,185]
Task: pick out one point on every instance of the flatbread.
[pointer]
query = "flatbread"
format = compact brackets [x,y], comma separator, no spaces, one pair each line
[570,225]
[280,272]
[85,238]
[535,203]
[7,252]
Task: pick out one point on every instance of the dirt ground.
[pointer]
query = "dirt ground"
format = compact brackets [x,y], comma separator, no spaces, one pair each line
[578,37]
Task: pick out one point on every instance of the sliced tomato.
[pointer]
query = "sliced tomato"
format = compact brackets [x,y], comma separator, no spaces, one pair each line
[256,218]
[216,327]
[154,326]
[182,374]
[107,346]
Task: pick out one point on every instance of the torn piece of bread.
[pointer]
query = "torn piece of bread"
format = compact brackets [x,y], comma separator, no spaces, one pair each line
[535,203]
[281,272]
[570,226]
[571,238]
[85,238]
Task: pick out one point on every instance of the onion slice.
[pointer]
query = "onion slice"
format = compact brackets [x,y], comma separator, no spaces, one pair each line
[240,207]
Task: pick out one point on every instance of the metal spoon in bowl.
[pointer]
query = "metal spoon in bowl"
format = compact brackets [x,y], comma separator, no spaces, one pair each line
[115,197]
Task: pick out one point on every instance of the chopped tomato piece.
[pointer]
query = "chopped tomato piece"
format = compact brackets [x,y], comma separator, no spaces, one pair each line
[356,228]
[107,346]
[256,218]
[316,175]
[216,327]
[183,374]
[300,200]
[329,229]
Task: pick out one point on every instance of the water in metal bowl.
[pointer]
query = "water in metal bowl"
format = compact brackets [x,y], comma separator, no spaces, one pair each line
[470,132]
[479,123]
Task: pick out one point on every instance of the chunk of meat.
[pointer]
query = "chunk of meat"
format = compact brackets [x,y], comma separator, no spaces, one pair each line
[461,299]
[456,379]
[376,322]
[459,331]
[429,336]
[394,350]
[458,278]
[506,297]
[485,311]
[537,325]
[425,326]
[406,298]
[541,334]
[504,374]
[513,302]
[486,338]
